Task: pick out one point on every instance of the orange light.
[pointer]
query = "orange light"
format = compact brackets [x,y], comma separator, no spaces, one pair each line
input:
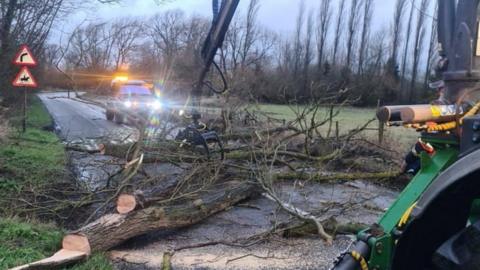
[120,78]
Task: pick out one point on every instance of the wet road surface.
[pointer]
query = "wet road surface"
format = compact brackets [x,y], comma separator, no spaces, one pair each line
[76,120]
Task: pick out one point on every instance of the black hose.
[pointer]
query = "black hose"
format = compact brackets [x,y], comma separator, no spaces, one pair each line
[347,262]
[225,85]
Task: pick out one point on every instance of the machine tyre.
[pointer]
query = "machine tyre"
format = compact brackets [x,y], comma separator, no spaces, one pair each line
[461,251]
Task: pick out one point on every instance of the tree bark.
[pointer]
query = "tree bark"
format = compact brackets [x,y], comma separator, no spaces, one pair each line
[113,229]
[300,229]
[336,176]
[58,260]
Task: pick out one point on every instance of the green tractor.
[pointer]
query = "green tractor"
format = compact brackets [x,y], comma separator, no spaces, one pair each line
[434,223]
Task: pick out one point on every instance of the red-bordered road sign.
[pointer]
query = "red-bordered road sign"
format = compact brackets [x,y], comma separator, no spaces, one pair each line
[24,57]
[24,79]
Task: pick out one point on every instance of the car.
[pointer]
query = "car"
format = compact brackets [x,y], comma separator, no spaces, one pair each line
[132,99]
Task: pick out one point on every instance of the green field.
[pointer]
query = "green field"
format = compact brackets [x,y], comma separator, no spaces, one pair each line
[348,118]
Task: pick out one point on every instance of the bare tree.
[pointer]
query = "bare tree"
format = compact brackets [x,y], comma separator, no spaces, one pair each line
[431,49]
[250,31]
[324,17]
[308,53]
[366,25]
[92,47]
[297,47]
[352,29]
[405,53]
[378,51]
[396,36]
[126,32]
[419,43]
[166,33]
[338,30]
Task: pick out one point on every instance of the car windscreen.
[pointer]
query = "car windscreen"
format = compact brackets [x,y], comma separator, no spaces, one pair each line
[134,90]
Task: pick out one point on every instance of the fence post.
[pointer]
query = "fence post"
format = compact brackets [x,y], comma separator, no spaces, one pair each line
[337,131]
[381,126]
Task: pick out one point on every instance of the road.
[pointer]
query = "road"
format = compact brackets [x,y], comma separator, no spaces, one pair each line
[77,120]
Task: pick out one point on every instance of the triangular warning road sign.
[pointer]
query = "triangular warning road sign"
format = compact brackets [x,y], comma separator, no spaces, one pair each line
[24,57]
[24,79]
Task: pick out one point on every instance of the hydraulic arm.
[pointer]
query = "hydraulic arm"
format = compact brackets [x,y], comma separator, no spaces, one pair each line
[213,42]
[196,133]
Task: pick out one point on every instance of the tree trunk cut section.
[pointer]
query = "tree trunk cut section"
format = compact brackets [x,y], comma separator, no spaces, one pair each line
[113,229]
[126,203]
[58,260]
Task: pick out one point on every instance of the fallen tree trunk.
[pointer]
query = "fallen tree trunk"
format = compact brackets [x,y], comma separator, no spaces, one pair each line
[254,133]
[74,249]
[331,225]
[240,155]
[336,176]
[165,151]
[113,229]
[61,258]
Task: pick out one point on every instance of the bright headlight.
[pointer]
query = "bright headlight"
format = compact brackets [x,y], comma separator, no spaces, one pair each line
[181,112]
[127,104]
[156,105]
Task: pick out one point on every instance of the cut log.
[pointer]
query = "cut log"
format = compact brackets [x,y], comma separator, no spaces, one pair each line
[76,242]
[431,113]
[126,203]
[390,113]
[113,229]
[60,259]
[75,248]
[129,201]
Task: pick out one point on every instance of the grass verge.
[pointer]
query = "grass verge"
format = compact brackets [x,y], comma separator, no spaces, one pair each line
[28,161]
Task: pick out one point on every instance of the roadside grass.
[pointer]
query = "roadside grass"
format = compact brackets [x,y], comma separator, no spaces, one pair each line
[28,161]
[23,242]
[348,118]
[33,157]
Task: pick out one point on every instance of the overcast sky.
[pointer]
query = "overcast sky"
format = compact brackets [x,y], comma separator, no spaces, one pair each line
[278,15]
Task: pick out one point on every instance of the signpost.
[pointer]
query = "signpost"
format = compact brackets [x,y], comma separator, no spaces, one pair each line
[24,78]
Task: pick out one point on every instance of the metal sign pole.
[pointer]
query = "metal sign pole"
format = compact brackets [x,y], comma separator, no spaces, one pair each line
[24,120]
[24,78]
